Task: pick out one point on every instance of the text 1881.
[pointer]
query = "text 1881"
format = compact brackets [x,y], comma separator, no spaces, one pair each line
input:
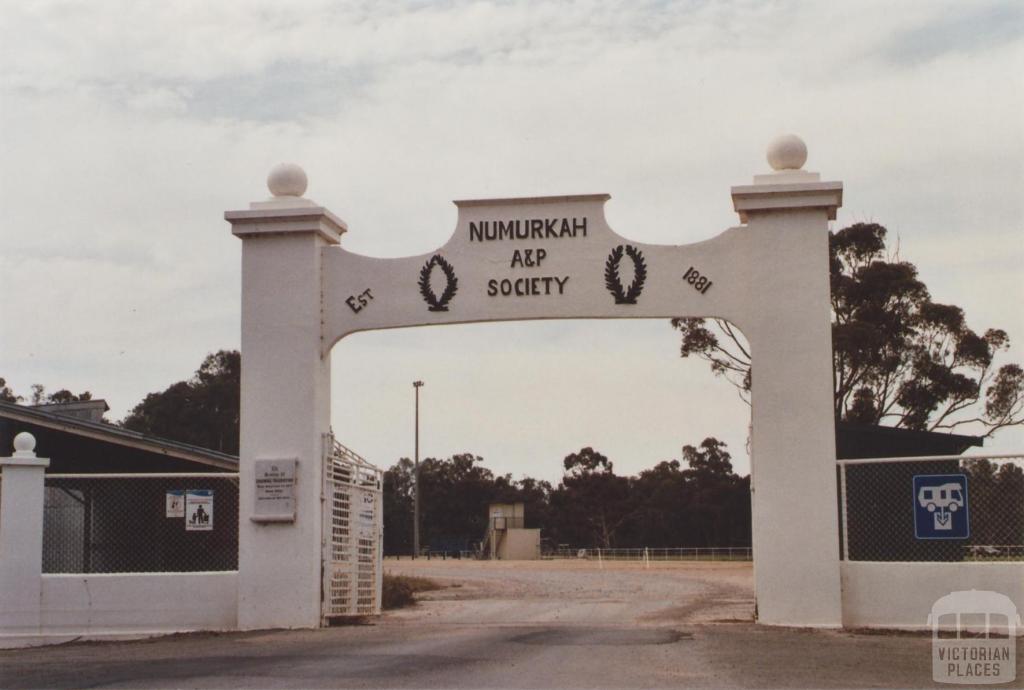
[700,283]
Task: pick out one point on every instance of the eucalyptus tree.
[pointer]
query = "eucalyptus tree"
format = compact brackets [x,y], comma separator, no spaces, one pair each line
[899,358]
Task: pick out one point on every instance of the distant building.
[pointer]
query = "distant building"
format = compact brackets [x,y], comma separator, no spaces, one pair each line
[89,410]
[507,538]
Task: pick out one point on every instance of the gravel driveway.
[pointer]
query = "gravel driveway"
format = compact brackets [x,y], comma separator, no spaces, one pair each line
[581,592]
[513,625]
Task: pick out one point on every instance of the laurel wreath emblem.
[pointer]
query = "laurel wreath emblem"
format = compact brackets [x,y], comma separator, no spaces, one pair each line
[451,286]
[611,274]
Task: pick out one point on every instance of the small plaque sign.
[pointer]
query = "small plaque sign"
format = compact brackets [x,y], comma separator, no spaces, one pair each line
[198,510]
[175,503]
[365,516]
[275,491]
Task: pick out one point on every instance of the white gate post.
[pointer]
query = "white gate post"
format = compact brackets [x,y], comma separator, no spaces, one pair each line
[795,525]
[21,537]
[285,397]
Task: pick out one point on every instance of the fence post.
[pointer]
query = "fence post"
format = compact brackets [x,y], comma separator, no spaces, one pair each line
[844,535]
[21,536]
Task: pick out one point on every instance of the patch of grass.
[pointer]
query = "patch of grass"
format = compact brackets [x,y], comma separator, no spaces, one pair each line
[400,591]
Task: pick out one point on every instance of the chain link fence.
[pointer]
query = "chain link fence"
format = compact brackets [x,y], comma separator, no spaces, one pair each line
[140,523]
[946,508]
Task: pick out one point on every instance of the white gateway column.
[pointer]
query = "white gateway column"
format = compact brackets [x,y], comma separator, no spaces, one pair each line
[22,495]
[285,403]
[795,524]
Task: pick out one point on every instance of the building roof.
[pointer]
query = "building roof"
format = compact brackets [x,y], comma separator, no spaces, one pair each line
[866,441]
[115,435]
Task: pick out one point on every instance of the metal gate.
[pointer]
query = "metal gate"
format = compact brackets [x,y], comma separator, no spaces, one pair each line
[352,561]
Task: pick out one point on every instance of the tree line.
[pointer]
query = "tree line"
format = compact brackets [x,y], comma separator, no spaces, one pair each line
[694,502]
[202,410]
[39,396]
[996,497]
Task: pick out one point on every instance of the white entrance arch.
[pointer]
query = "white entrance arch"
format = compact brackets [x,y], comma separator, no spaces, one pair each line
[536,258]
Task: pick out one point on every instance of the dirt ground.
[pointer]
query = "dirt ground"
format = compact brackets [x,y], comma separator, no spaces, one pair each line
[567,624]
[581,592]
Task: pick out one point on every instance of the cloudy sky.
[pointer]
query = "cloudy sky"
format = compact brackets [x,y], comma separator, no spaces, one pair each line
[128,128]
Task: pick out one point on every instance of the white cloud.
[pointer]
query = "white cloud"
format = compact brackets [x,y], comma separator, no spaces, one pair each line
[128,128]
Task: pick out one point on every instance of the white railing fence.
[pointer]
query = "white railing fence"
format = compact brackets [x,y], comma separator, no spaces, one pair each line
[711,553]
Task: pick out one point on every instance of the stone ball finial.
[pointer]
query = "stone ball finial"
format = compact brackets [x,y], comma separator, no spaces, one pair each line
[24,443]
[287,179]
[787,152]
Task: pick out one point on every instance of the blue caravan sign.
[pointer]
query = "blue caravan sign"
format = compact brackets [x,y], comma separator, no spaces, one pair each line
[940,506]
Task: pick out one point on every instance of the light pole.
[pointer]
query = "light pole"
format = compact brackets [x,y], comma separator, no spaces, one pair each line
[416,479]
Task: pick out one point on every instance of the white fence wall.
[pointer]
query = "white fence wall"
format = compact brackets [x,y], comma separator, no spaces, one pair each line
[900,595]
[130,599]
[40,609]
[895,587]
[141,603]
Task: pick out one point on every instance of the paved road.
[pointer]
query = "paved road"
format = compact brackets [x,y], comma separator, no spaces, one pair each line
[502,626]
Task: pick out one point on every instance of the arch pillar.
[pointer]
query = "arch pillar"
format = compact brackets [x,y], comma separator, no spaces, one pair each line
[285,404]
[793,477]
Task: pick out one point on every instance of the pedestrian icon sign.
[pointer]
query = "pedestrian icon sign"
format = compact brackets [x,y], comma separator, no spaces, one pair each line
[940,506]
[198,510]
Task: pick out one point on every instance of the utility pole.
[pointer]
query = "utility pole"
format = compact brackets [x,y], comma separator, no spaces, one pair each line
[416,479]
